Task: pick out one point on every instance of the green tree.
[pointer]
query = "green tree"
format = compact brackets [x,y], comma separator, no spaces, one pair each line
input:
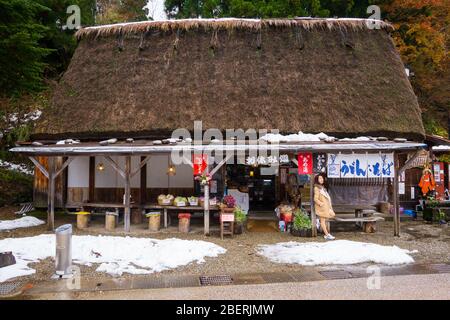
[21,56]
[61,40]
[244,8]
[116,11]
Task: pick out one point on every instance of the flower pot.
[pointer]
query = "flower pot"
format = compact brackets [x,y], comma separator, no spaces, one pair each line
[428,214]
[227,210]
[239,227]
[301,232]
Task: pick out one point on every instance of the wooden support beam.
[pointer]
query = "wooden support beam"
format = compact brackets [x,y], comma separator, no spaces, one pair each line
[64,166]
[410,160]
[143,183]
[116,166]
[206,213]
[220,164]
[127,210]
[51,194]
[395,197]
[311,202]
[141,165]
[51,174]
[39,166]
[91,179]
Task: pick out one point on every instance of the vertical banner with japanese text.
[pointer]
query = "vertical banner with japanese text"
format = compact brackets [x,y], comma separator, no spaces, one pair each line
[305,163]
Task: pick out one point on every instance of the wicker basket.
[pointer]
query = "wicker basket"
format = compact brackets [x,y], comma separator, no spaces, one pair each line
[165,202]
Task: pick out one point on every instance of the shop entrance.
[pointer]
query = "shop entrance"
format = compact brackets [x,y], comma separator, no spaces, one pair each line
[258,182]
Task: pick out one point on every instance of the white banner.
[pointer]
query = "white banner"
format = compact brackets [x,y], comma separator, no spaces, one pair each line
[361,165]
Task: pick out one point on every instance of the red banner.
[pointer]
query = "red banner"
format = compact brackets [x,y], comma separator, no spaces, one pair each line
[200,161]
[305,163]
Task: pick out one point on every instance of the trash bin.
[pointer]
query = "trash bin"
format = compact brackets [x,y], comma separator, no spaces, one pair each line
[63,257]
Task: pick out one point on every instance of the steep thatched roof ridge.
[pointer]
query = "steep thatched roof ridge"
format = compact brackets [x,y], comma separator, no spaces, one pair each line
[344,82]
[230,23]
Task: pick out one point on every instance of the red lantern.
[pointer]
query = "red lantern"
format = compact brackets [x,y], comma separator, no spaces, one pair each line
[305,163]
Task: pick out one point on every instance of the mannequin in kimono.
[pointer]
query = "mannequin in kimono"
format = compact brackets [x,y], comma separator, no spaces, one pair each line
[427,183]
[322,204]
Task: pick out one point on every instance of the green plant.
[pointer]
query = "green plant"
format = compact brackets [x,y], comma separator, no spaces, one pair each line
[239,215]
[440,214]
[301,220]
[432,202]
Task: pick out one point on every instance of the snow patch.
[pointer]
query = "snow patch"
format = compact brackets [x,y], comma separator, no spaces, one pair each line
[297,137]
[22,168]
[338,252]
[441,148]
[24,222]
[360,139]
[115,255]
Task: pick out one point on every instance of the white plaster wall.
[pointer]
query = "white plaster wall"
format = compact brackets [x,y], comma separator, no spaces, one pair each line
[78,173]
[109,178]
[157,174]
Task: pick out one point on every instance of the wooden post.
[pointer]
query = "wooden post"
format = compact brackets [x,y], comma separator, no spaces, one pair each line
[165,218]
[311,201]
[51,194]
[395,197]
[206,214]
[127,194]
[91,196]
[143,186]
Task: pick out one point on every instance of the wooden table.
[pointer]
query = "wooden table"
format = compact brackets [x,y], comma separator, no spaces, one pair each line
[176,208]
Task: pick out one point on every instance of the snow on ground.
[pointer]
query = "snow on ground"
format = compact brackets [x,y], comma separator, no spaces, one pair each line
[116,255]
[334,252]
[24,222]
[16,167]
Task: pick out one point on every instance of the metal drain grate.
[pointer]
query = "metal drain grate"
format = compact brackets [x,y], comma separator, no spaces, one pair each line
[215,280]
[336,274]
[441,268]
[10,288]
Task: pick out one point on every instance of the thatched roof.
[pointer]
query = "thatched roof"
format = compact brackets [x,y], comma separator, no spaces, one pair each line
[330,75]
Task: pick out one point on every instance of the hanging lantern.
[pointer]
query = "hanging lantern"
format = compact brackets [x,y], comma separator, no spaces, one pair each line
[100,166]
[171,170]
[252,173]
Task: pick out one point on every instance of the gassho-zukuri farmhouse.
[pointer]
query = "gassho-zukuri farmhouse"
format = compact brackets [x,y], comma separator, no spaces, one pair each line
[338,80]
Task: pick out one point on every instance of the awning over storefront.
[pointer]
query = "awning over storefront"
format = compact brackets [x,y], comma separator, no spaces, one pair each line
[139,148]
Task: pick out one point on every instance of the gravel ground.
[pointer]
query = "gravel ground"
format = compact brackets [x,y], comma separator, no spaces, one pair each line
[431,241]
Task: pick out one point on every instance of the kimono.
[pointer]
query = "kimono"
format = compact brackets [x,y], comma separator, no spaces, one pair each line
[427,183]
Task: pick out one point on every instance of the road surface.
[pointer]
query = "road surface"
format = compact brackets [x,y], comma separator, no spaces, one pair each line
[430,286]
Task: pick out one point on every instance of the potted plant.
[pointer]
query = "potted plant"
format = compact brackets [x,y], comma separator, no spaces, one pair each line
[228,204]
[430,205]
[239,220]
[441,216]
[204,178]
[301,225]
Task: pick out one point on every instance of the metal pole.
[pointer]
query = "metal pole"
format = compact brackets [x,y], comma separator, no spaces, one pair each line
[127,194]
[51,194]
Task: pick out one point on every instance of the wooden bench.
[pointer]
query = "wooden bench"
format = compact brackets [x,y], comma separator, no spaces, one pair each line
[367,223]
